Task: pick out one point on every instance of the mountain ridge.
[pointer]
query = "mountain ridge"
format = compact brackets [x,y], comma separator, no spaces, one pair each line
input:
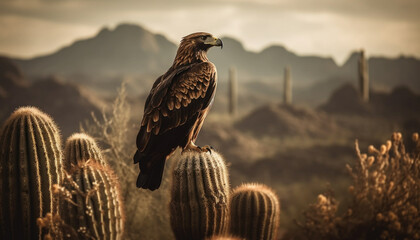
[130,49]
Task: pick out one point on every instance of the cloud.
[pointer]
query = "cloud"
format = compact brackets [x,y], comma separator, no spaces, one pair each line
[27,37]
[62,9]
[323,27]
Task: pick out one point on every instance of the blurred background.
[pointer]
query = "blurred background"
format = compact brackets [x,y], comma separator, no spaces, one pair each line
[299,81]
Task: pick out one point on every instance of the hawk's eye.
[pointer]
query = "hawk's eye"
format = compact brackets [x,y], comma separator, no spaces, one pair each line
[203,38]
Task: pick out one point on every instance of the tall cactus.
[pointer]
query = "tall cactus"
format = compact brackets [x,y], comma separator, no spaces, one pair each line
[363,77]
[254,212]
[30,164]
[199,196]
[81,147]
[287,87]
[233,91]
[92,206]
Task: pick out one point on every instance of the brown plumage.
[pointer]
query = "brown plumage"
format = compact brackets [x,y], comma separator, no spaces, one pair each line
[176,108]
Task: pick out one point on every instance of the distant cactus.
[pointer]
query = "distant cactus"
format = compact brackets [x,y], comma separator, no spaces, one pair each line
[287,87]
[363,77]
[30,164]
[254,212]
[81,147]
[233,91]
[199,196]
[92,206]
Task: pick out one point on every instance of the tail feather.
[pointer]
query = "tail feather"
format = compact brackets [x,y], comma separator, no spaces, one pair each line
[151,170]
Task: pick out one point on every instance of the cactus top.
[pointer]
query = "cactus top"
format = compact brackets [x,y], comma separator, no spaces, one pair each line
[28,111]
[34,113]
[255,212]
[246,187]
[81,147]
[75,136]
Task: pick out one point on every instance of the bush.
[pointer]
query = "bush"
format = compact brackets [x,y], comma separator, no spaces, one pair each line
[147,212]
[385,197]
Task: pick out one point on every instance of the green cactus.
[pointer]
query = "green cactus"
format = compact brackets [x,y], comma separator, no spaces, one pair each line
[92,206]
[199,196]
[30,164]
[81,147]
[254,212]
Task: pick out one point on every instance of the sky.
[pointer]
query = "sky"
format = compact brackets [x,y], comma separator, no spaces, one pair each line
[329,28]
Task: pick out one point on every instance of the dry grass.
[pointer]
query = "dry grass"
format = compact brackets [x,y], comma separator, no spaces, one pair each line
[147,212]
[385,197]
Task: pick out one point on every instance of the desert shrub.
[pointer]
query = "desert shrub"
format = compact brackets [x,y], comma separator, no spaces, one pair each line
[147,212]
[385,197]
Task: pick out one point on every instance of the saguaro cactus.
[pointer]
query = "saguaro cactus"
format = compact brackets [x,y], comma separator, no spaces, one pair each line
[233,91]
[91,203]
[363,77]
[199,196]
[287,87]
[30,164]
[81,147]
[254,212]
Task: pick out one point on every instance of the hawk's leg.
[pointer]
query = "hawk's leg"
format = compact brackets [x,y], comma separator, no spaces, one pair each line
[192,147]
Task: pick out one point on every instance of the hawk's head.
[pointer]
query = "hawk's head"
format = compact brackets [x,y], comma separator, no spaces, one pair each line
[193,48]
[202,41]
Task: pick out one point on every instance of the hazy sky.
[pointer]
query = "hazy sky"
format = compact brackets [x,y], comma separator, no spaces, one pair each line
[323,27]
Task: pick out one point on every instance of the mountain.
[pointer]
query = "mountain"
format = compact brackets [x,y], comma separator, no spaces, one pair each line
[127,49]
[131,49]
[386,72]
[65,102]
[10,76]
[401,103]
[346,100]
[270,63]
[284,120]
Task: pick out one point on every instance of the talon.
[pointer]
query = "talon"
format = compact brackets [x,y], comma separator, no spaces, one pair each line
[208,148]
[192,147]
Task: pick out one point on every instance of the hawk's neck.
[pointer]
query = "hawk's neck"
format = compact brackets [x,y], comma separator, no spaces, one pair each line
[188,54]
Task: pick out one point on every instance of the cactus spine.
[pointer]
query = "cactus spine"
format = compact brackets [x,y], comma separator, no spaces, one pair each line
[81,147]
[363,77]
[254,212]
[287,87]
[31,163]
[199,196]
[233,91]
[92,204]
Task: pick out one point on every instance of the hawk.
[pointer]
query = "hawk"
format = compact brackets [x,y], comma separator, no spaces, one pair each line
[176,107]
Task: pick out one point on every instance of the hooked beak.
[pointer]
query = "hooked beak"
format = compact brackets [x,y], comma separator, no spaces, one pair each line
[219,43]
[214,41]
